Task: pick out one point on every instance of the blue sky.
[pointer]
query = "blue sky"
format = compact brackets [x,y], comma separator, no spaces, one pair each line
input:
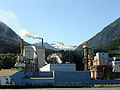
[69,21]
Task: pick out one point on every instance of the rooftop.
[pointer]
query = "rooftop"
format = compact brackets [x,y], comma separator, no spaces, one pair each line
[7,72]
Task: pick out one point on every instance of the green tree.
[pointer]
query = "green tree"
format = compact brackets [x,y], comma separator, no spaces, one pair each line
[7,61]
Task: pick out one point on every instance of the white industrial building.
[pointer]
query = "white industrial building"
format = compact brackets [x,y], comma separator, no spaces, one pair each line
[36,54]
[32,58]
[40,50]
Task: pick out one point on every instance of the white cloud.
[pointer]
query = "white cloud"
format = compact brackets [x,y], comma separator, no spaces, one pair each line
[10,19]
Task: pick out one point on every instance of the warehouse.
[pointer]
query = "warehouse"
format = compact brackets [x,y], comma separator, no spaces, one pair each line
[48,78]
[59,77]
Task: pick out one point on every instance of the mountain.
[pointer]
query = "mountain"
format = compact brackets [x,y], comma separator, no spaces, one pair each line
[47,46]
[107,35]
[9,40]
[61,46]
[56,46]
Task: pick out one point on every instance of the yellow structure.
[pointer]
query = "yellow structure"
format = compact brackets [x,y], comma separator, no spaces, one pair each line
[85,59]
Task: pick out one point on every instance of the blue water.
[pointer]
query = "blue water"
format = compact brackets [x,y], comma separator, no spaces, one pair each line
[107,88]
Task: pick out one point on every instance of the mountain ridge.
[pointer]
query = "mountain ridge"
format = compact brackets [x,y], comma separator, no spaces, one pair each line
[109,33]
[57,46]
[9,40]
[62,46]
[48,46]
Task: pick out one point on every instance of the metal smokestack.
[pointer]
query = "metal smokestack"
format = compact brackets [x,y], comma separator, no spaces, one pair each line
[42,41]
[21,46]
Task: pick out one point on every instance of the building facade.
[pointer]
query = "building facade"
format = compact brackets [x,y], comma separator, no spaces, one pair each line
[101,67]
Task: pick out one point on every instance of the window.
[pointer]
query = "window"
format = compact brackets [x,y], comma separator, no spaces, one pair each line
[7,81]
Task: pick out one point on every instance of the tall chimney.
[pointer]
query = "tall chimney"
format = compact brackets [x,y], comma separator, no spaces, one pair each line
[21,46]
[42,41]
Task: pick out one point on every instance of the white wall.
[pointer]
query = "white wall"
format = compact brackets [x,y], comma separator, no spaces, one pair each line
[45,68]
[41,55]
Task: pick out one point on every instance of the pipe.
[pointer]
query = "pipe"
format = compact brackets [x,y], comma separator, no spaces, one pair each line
[42,41]
[21,46]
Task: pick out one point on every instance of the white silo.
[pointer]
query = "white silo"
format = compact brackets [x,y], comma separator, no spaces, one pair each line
[40,51]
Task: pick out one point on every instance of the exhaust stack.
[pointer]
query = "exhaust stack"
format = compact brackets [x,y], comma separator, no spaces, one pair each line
[42,41]
[21,47]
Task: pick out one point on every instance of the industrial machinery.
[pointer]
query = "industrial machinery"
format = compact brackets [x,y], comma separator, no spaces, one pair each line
[31,58]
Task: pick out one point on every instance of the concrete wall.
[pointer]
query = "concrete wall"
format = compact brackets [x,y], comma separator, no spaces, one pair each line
[59,67]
